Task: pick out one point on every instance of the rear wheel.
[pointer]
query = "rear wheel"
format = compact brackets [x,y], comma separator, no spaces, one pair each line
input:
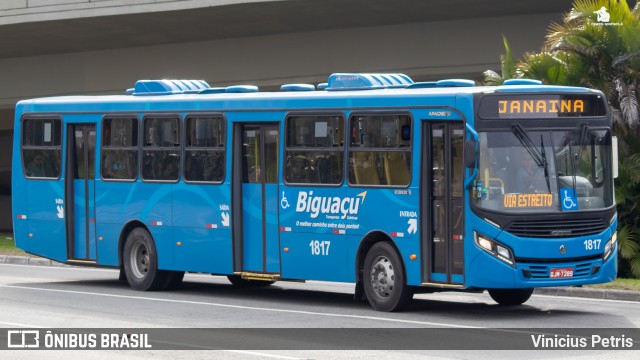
[384,279]
[140,261]
[238,281]
[508,297]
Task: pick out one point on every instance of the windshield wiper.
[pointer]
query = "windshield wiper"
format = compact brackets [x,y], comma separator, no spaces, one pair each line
[546,164]
[584,128]
[528,144]
[539,156]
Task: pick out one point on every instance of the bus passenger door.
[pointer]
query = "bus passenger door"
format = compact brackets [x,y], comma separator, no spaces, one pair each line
[442,207]
[80,192]
[255,198]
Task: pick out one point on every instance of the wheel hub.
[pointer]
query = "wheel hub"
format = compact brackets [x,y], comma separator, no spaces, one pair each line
[140,260]
[382,276]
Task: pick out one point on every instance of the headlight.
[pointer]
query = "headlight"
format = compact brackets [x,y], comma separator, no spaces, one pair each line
[495,248]
[609,246]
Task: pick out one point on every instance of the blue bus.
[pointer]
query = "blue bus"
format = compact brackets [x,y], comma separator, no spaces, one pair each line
[394,185]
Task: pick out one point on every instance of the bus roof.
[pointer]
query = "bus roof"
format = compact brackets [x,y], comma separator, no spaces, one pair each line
[361,90]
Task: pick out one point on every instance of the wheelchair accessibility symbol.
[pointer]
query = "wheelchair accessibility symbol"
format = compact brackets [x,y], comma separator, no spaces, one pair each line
[284,203]
[569,200]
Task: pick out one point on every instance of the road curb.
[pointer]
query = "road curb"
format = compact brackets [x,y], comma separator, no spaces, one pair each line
[26,260]
[608,294]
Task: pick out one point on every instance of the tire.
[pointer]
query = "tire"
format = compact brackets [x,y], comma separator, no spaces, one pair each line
[509,297]
[238,281]
[140,261]
[385,283]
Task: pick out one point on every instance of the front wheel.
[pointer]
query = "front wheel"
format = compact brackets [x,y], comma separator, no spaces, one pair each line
[384,279]
[508,297]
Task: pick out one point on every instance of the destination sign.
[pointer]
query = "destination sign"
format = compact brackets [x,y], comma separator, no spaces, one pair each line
[535,106]
[518,106]
[527,200]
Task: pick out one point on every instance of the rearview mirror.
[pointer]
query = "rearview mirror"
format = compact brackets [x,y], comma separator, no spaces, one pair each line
[614,152]
[470,153]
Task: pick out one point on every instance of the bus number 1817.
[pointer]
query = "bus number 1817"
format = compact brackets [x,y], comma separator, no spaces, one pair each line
[319,247]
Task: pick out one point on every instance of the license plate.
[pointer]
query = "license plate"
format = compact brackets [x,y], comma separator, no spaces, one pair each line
[561,273]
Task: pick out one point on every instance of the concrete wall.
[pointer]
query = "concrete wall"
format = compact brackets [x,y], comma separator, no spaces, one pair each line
[422,50]
[5,213]
[21,11]
[6,119]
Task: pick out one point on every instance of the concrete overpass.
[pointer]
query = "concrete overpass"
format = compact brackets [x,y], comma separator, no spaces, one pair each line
[58,47]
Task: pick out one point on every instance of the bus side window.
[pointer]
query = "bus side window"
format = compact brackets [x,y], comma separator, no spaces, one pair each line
[41,147]
[204,149]
[119,156]
[380,150]
[161,155]
[314,150]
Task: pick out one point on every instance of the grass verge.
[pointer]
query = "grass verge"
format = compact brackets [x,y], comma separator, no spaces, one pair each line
[7,246]
[619,284]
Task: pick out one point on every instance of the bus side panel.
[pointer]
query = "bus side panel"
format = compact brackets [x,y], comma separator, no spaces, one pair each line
[315,256]
[46,219]
[315,239]
[201,224]
[393,212]
[203,250]
[157,216]
[116,204]
[108,236]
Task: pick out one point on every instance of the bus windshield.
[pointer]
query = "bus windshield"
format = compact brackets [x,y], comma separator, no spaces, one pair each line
[544,171]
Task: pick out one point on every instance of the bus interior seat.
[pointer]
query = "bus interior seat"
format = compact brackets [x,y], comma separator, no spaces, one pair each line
[331,171]
[365,169]
[322,169]
[301,169]
[396,168]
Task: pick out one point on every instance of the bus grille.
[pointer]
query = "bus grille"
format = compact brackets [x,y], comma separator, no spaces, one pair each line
[542,271]
[556,228]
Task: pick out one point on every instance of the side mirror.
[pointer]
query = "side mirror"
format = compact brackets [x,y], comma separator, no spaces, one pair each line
[470,153]
[614,152]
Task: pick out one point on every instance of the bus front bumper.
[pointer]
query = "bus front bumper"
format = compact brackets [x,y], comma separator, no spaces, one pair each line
[487,272]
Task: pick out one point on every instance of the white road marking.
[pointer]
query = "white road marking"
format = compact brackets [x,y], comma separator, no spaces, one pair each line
[77,268]
[361,317]
[255,353]
[19,325]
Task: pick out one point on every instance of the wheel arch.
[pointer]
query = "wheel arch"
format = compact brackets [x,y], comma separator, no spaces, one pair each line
[371,238]
[130,226]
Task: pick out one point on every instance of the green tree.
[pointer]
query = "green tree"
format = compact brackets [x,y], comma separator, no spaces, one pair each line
[508,67]
[584,51]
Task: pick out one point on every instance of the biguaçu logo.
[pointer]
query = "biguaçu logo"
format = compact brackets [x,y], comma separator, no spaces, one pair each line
[333,207]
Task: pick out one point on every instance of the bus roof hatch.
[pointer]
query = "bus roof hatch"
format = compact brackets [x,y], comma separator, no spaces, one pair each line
[343,81]
[167,87]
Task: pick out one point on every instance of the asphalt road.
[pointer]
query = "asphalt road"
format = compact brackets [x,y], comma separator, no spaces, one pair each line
[69,297]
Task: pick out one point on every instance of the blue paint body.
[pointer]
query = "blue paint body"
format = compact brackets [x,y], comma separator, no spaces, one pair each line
[188,224]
